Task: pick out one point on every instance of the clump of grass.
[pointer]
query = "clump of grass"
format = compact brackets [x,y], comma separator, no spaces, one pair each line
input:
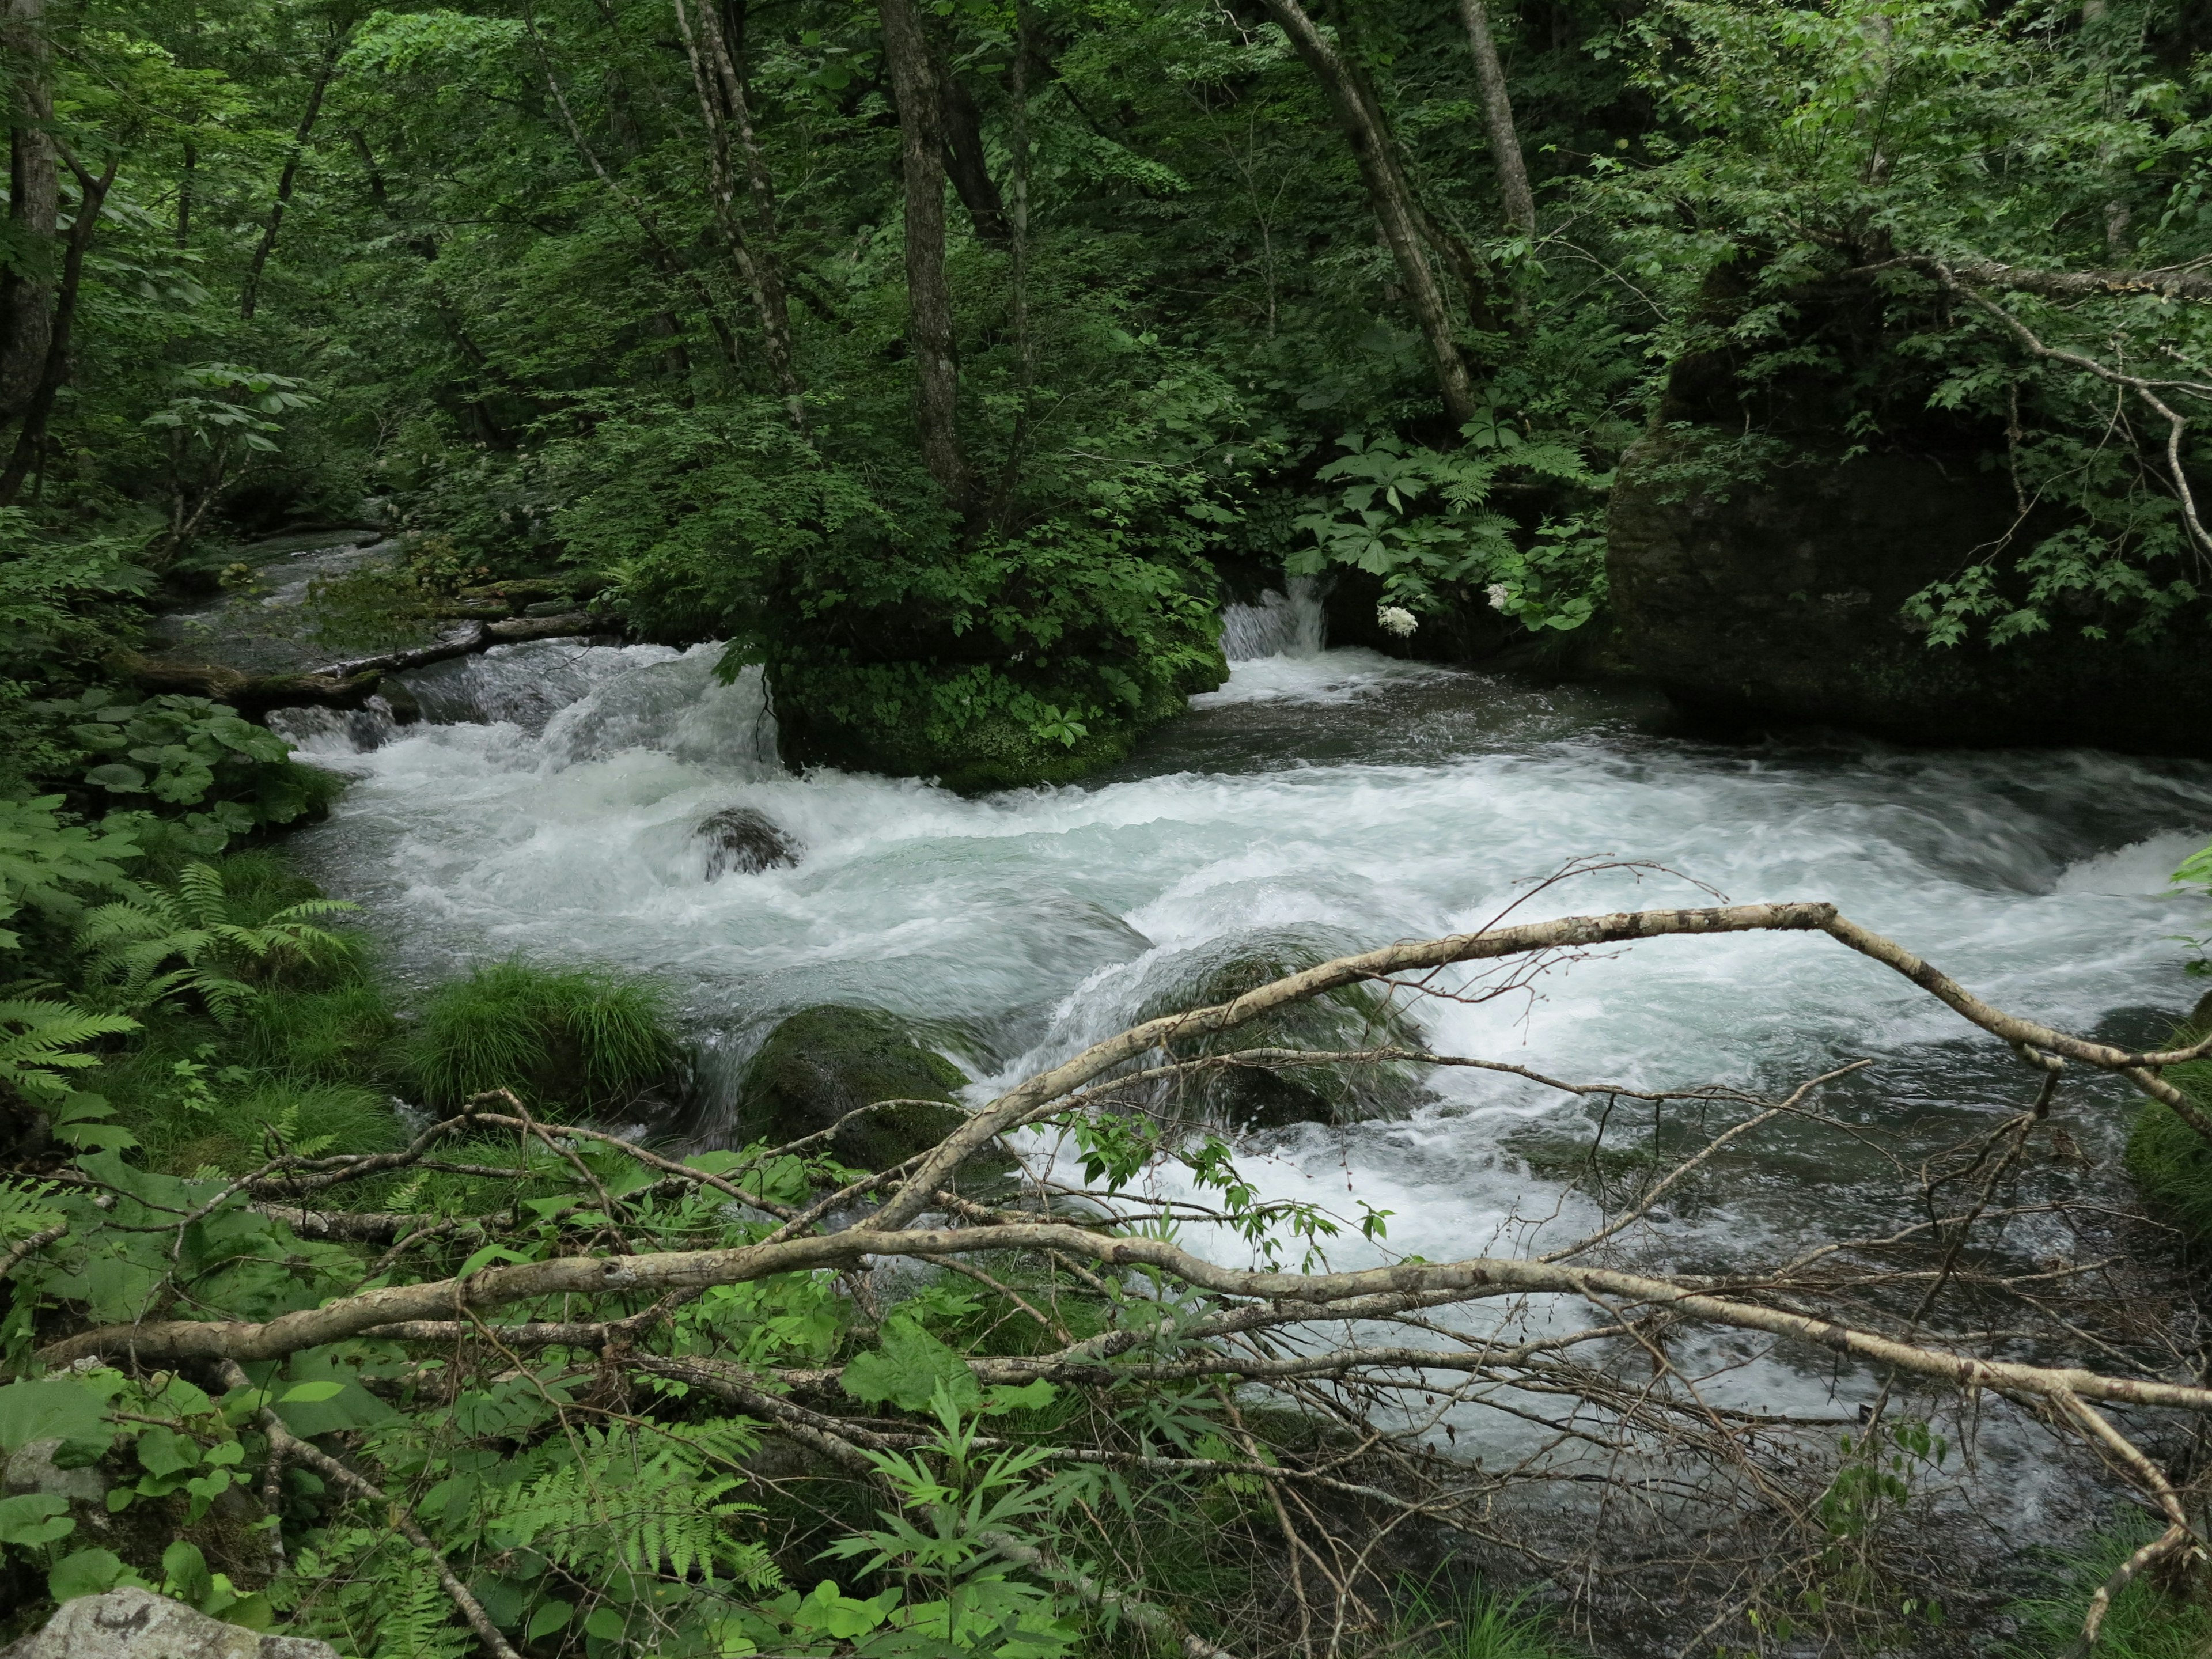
[574,1038]
[2170,1161]
[2147,1621]
[1470,1622]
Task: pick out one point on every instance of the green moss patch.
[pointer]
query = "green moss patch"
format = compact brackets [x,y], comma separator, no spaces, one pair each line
[825,1062]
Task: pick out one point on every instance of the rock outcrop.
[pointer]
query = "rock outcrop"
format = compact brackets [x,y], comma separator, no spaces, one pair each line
[1780,599]
[137,1623]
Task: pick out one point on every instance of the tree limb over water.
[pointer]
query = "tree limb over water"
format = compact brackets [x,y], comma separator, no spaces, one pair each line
[1384,1352]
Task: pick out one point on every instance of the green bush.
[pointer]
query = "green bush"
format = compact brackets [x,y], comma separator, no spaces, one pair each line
[1472,1623]
[578,1037]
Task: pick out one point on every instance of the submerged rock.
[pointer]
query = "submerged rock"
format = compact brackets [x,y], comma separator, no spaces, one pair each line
[823,1062]
[137,1623]
[746,839]
[1353,1019]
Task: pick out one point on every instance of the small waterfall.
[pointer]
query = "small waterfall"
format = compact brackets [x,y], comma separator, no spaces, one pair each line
[524,685]
[331,731]
[1281,625]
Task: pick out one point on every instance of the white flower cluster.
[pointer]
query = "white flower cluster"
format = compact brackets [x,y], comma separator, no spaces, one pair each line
[1396,619]
[1500,595]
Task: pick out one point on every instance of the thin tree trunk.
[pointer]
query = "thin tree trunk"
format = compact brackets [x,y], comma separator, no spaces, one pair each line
[1497,118]
[768,299]
[184,238]
[929,296]
[766,270]
[27,296]
[1396,213]
[1018,238]
[92,192]
[671,262]
[291,175]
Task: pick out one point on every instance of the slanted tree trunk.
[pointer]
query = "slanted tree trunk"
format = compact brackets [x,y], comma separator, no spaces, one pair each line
[290,176]
[1497,119]
[1018,240]
[762,270]
[929,297]
[1396,212]
[92,193]
[963,157]
[27,296]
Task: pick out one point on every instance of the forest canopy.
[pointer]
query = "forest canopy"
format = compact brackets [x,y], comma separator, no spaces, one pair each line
[950,359]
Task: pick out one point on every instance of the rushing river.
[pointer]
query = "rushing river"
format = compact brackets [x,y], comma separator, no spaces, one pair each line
[1324,801]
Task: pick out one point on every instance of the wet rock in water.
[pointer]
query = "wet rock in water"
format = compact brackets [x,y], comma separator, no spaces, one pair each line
[1353,1018]
[137,1623]
[823,1062]
[746,841]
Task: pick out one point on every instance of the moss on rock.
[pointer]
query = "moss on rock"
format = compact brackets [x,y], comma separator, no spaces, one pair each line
[822,1063]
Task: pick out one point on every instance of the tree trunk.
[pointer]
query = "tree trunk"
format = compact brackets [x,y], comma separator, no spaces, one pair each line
[291,175]
[929,297]
[963,156]
[1395,210]
[1497,118]
[27,296]
[92,192]
[763,270]
[1018,238]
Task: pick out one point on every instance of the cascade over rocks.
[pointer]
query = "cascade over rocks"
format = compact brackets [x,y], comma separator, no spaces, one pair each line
[746,841]
[137,1623]
[822,1063]
[1781,598]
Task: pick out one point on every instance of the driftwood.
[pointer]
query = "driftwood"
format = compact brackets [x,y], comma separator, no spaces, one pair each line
[341,685]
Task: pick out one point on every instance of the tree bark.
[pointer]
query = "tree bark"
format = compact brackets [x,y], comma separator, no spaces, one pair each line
[291,175]
[963,156]
[929,297]
[92,192]
[762,270]
[1396,213]
[26,297]
[1497,119]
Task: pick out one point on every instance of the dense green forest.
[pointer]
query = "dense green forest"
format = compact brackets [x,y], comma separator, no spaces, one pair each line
[955,364]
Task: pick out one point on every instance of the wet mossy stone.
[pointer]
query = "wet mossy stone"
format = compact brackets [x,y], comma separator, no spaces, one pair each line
[1352,1018]
[822,1063]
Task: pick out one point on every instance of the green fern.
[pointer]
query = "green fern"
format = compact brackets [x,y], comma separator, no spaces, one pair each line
[132,943]
[656,1514]
[39,1040]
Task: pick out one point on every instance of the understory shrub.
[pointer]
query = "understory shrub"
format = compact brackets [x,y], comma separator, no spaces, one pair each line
[575,1037]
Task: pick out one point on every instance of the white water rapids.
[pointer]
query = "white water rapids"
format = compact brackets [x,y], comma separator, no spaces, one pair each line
[1336,800]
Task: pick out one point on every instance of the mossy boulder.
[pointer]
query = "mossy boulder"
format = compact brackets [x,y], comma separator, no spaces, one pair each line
[1352,1018]
[823,1062]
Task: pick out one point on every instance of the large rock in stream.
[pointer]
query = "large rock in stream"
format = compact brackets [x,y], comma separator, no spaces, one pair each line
[823,1062]
[1781,598]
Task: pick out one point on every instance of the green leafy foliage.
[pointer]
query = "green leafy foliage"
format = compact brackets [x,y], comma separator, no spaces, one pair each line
[190,762]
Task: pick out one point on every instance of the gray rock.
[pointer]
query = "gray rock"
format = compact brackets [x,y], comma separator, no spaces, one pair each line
[137,1623]
[744,840]
[32,1469]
